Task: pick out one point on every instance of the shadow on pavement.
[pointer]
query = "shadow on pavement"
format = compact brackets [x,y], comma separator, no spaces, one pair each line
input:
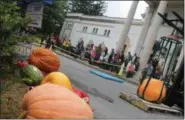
[92,91]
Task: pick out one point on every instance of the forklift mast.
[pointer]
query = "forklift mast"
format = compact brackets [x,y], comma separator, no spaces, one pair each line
[175,94]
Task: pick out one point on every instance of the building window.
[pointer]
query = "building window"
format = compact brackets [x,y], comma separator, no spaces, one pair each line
[125,46]
[107,33]
[69,26]
[84,29]
[95,30]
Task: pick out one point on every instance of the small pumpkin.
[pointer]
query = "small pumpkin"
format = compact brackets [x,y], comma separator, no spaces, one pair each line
[59,79]
[44,59]
[153,90]
[31,75]
[49,101]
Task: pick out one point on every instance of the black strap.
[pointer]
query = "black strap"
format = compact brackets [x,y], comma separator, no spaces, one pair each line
[143,95]
[138,89]
[161,91]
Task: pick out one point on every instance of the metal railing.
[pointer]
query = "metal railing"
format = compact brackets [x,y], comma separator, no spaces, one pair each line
[24,49]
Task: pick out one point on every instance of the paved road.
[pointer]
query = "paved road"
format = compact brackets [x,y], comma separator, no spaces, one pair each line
[79,73]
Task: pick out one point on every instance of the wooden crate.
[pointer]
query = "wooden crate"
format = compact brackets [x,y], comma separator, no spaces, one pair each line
[148,106]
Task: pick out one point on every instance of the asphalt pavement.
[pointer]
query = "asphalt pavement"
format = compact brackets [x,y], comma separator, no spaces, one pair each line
[102,92]
[97,87]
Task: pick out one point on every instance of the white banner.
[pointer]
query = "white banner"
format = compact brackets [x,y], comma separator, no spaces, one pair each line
[35,10]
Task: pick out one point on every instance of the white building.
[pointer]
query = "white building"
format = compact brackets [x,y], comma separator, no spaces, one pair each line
[138,35]
[99,29]
[104,29]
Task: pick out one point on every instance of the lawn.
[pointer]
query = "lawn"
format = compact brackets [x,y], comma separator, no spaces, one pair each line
[12,92]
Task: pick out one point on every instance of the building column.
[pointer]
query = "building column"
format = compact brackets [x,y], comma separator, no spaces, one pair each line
[62,30]
[127,25]
[152,33]
[147,21]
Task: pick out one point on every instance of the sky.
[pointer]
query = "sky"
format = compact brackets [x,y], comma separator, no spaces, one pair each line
[121,9]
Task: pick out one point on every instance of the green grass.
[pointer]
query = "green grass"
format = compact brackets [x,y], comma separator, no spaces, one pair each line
[12,91]
[5,86]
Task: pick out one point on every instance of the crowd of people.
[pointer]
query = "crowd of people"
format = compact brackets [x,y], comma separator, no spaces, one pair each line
[101,54]
[52,40]
[98,53]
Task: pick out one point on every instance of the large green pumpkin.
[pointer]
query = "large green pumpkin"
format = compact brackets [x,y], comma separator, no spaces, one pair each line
[31,75]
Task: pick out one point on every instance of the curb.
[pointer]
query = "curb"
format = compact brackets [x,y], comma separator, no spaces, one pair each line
[97,68]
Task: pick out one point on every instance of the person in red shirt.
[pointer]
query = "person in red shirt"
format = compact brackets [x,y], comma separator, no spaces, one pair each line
[57,39]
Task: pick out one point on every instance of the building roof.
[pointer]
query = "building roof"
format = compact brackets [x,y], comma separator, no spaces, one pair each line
[171,4]
[102,18]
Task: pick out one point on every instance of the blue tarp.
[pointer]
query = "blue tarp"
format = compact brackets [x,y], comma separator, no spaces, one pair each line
[106,76]
[49,1]
[22,2]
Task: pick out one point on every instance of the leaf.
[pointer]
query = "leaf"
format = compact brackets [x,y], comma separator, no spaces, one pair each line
[28,81]
[54,14]
[88,7]
[10,22]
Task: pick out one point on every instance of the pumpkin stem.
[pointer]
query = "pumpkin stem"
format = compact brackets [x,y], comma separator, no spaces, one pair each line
[22,115]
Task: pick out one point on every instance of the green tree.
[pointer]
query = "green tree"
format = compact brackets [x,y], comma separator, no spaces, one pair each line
[10,23]
[53,17]
[88,7]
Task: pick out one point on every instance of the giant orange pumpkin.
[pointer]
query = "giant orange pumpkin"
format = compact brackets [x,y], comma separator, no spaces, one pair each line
[44,59]
[58,78]
[54,101]
[153,90]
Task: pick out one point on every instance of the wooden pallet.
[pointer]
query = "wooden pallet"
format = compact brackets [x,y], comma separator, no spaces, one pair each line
[148,106]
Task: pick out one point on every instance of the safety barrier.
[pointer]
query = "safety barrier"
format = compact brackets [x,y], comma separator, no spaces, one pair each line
[113,66]
[24,49]
[104,65]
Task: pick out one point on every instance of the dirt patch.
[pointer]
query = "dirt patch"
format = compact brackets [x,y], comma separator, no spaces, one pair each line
[11,99]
